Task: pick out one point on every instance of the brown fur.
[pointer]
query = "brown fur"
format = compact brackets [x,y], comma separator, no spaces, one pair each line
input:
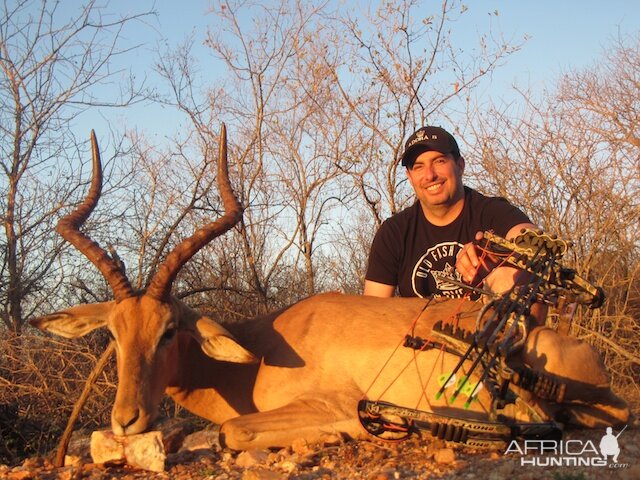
[317,358]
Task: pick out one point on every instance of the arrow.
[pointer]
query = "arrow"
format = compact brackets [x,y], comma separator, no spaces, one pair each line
[620,432]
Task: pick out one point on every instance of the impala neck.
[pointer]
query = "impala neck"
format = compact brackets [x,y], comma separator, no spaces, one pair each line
[218,390]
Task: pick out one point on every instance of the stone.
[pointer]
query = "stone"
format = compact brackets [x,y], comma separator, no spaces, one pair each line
[106,448]
[385,475]
[331,439]
[500,471]
[20,475]
[33,463]
[288,466]
[251,458]
[445,456]
[145,450]
[67,474]
[204,439]
[173,438]
[72,460]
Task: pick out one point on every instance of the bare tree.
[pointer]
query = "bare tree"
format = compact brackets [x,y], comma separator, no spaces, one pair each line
[280,182]
[50,65]
[404,71]
[570,159]
[321,107]
[204,112]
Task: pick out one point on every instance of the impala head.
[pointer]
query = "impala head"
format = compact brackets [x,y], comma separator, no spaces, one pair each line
[146,326]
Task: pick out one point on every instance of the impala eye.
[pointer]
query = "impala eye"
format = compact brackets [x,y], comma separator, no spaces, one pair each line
[168,335]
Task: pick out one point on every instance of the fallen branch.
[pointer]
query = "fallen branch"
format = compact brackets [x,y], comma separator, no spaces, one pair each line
[77,408]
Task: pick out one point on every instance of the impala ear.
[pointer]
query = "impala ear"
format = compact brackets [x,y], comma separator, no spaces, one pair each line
[76,321]
[218,343]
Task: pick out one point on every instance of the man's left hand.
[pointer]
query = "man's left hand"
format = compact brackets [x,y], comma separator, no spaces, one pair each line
[473,264]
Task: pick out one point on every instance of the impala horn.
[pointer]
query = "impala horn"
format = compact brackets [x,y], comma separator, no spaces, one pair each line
[162,281]
[69,228]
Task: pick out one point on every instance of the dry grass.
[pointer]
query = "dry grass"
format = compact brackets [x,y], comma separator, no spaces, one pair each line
[40,378]
[618,338]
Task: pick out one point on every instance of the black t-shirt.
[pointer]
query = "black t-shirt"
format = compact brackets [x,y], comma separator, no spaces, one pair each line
[410,252]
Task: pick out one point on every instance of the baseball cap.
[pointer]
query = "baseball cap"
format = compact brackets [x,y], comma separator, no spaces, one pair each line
[429,138]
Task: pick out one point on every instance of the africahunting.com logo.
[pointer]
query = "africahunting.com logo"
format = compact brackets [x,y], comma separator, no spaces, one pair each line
[570,453]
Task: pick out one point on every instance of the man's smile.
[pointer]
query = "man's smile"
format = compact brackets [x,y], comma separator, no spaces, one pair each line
[434,187]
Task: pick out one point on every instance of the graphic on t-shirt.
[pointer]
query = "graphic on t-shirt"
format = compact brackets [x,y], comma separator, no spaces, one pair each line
[434,268]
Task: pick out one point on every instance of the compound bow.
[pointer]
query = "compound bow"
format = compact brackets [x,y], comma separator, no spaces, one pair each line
[502,327]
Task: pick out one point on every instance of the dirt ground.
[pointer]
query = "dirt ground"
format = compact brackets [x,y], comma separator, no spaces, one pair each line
[413,458]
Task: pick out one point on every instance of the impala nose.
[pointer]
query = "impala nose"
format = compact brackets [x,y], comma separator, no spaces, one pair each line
[123,419]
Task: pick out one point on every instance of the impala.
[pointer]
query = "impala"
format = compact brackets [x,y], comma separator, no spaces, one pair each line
[301,372]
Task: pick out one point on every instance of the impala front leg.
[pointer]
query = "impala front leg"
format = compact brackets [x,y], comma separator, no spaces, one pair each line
[314,418]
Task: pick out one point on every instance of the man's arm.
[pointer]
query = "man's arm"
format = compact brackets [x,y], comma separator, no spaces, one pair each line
[515,231]
[376,289]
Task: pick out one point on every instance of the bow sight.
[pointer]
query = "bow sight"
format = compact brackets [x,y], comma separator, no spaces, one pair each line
[502,326]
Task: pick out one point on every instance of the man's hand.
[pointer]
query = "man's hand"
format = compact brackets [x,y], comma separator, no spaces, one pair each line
[473,264]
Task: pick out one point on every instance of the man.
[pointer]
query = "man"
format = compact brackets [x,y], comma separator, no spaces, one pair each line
[416,250]
[609,445]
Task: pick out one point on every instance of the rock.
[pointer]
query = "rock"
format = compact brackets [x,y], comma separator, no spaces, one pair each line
[145,451]
[87,468]
[378,456]
[72,460]
[288,466]
[275,457]
[250,458]
[106,448]
[20,475]
[445,456]
[204,439]
[331,439]
[504,470]
[528,476]
[173,438]
[67,474]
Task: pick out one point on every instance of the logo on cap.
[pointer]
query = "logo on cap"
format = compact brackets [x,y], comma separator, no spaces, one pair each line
[421,136]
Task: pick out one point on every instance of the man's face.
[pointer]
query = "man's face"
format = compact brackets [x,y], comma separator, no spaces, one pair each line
[437,179]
